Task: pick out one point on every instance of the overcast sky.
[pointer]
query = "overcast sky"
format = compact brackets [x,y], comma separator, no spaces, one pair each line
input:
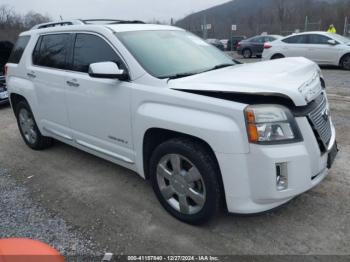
[123,9]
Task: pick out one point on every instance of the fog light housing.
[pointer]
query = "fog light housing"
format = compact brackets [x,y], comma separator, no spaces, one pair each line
[281,176]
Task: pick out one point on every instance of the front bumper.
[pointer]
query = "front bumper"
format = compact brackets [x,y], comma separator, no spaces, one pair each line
[250,183]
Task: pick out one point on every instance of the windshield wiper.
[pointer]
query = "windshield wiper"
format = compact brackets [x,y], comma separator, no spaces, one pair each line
[218,67]
[181,75]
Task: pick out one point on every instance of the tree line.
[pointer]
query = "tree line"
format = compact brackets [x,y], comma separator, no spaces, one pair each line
[273,16]
[13,23]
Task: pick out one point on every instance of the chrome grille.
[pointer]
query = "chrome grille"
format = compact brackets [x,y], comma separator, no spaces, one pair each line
[320,120]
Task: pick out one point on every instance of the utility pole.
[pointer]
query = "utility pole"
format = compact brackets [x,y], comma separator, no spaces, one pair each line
[306,23]
[204,27]
[346,26]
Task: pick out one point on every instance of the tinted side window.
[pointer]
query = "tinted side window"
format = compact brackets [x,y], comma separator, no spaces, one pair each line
[254,39]
[52,51]
[298,39]
[318,39]
[18,50]
[90,49]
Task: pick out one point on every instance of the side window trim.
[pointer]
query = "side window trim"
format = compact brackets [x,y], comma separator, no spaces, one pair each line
[41,36]
[103,39]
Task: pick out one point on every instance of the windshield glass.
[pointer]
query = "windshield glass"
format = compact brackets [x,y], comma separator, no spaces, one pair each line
[166,54]
[340,38]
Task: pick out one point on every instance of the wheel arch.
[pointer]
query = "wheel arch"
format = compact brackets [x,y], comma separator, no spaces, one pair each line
[153,137]
[277,55]
[15,99]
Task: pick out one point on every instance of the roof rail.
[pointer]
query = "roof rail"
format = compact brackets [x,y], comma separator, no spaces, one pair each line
[112,21]
[85,22]
[59,23]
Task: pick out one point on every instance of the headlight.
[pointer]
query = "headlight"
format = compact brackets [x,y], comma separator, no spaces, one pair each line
[268,124]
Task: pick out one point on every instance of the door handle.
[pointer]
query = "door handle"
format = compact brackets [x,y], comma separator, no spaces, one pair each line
[73,84]
[31,75]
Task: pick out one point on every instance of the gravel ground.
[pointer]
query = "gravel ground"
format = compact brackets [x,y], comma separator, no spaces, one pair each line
[20,216]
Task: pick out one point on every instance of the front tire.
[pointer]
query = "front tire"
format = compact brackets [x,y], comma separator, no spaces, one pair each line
[345,62]
[184,177]
[29,129]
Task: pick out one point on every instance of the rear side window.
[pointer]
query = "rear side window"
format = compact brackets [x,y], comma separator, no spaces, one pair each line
[52,51]
[92,49]
[18,50]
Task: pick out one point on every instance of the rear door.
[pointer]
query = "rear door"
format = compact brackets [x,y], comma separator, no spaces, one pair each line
[48,72]
[257,44]
[99,109]
[296,46]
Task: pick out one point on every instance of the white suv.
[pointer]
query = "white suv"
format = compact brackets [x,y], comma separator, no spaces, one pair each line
[162,102]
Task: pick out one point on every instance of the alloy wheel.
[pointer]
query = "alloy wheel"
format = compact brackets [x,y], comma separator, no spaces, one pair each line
[181,184]
[27,125]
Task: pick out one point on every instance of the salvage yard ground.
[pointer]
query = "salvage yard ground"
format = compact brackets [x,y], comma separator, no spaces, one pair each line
[80,203]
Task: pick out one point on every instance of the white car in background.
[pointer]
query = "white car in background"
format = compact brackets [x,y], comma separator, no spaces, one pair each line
[320,47]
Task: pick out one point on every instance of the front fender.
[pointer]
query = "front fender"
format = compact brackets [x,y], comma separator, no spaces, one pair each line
[223,134]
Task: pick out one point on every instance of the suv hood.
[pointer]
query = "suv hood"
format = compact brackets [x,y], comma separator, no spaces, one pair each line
[297,78]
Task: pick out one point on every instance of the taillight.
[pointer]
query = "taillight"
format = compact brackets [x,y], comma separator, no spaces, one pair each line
[267,45]
[239,44]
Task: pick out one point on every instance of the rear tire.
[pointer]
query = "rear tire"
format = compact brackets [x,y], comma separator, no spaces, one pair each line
[247,53]
[277,56]
[184,177]
[345,62]
[29,129]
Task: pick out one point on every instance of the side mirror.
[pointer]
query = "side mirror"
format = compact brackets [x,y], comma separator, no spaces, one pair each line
[332,42]
[108,70]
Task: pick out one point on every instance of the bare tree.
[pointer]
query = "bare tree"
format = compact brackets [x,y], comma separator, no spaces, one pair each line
[32,18]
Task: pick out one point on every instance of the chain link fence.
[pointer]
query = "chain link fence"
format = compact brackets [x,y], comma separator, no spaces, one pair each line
[224,30]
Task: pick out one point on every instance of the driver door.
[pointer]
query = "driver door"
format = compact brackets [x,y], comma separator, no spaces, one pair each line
[99,109]
[321,51]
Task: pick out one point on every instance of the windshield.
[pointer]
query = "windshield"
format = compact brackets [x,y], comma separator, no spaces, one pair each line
[167,54]
[340,38]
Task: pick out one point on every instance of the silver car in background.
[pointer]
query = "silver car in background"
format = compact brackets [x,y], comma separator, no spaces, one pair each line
[321,47]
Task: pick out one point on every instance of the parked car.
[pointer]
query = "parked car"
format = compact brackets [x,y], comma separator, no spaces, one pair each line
[5,51]
[217,43]
[254,46]
[320,47]
[232,43]
[224,42]
[198,125]
[3,91]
